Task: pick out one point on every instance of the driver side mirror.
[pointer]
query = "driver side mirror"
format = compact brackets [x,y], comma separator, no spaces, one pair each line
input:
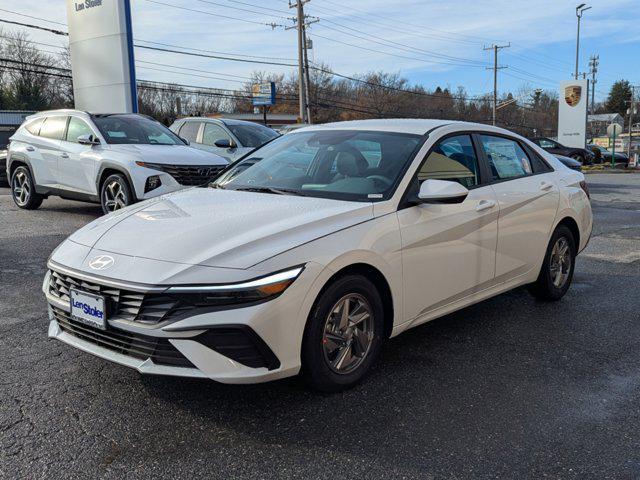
[225,143]
[88,140]
[442,191]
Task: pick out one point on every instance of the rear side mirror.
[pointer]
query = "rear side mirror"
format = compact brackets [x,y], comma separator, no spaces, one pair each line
[442,191]
[88,140]
[225,143]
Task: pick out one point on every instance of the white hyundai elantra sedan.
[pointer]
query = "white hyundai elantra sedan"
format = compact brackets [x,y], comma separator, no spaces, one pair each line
[306,255]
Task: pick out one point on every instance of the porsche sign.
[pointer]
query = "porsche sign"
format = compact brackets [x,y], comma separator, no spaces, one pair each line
[572,113]
[572,95]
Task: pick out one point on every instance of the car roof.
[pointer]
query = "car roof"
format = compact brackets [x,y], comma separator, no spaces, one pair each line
[226,121]
[402,125]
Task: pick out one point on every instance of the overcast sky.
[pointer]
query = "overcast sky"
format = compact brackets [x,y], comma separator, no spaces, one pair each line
[436,43]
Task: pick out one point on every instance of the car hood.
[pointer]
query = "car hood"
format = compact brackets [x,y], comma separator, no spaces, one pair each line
[220,228]
[171,154]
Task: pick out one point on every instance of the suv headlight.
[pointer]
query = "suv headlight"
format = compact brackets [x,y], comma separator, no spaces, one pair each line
[256,290]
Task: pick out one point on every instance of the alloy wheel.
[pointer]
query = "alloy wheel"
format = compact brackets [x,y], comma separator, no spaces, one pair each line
[560,262]
[115,197]
[348,333]
[21,188]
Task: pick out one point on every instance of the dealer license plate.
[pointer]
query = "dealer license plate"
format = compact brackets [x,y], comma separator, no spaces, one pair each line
[88,308]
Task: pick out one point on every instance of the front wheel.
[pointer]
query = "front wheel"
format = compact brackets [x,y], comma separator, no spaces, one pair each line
[344,334]
[557,270]
[115,193]
[23,189]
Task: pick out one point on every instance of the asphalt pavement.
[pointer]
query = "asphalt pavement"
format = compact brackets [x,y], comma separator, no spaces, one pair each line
[508,388]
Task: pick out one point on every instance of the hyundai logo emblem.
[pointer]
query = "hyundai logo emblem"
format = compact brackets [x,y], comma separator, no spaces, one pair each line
[204,172]
[101,262]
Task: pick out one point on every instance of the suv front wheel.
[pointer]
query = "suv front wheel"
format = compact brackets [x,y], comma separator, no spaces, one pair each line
[23,189]
[115,193]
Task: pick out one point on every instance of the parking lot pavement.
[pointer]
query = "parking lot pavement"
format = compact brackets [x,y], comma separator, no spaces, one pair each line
[508,388]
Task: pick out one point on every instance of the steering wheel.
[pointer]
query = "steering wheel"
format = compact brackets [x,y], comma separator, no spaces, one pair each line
[381,181]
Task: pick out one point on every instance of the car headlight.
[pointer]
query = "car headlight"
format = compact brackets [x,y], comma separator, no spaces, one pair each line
[256,290]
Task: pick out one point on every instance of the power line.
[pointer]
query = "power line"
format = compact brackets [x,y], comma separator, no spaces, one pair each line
[398,44]
[218,15]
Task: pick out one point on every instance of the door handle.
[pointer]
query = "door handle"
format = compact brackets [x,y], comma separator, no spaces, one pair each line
[485,205]
[30,149]
[64,155]
[546,186]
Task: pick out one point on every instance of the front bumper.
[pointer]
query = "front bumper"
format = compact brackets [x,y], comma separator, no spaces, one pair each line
[226,346]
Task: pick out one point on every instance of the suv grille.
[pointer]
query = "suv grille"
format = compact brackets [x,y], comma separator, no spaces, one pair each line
[120,304]
[131,344]
[189,175]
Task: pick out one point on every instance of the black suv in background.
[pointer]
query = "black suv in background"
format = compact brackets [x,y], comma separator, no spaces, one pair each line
[582,155]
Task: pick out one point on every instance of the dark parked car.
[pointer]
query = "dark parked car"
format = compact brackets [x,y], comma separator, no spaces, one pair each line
[570,163]
[581,154]
[3,169]
[603,155]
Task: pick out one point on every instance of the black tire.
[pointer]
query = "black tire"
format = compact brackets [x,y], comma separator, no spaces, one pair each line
[317,365]
[578,157]
[117,185]
[546,286]
[23,189]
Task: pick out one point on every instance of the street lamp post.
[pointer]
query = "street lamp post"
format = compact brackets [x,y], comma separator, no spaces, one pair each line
[580,9]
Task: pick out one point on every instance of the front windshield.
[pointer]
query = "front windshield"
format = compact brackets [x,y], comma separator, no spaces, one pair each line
[134,129]
[252,135]
[340,164]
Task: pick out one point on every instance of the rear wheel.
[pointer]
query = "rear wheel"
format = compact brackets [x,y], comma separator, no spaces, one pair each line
[23,189]
[115,193]
[557,270]
[343,335]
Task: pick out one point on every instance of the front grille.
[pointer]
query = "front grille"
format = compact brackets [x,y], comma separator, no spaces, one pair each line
[143,347]
[120,304]
[189,175]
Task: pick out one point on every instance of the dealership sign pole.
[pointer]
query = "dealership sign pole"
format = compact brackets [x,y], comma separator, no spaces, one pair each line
[263,95]
[102,61]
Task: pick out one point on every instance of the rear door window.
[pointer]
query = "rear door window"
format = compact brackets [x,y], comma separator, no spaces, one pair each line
[54,127]
[506,158]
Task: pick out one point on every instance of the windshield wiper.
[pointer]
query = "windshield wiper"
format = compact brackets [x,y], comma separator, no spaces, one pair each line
[277,191]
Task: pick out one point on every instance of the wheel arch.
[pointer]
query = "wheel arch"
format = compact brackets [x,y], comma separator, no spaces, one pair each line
[374,275]
[111,169]
[573,227]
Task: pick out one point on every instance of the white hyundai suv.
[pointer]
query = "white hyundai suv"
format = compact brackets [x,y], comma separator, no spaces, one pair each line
[114,159]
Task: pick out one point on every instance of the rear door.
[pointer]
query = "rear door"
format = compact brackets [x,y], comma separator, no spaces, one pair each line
[448,249]
[47,143]
[78,163]
[528,196]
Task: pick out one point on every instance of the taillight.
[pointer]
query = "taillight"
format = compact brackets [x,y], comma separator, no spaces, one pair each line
[583,186]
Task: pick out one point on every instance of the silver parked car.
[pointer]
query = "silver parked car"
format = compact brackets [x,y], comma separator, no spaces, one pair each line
[228,138]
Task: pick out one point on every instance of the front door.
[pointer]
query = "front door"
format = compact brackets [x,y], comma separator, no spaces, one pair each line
[528,199]
[448,250]
[78,163]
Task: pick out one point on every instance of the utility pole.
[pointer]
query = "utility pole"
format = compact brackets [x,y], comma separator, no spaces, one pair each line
[495,68]
[580,9]
[302,100]
[632,108]
[307,80]
[594,61]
